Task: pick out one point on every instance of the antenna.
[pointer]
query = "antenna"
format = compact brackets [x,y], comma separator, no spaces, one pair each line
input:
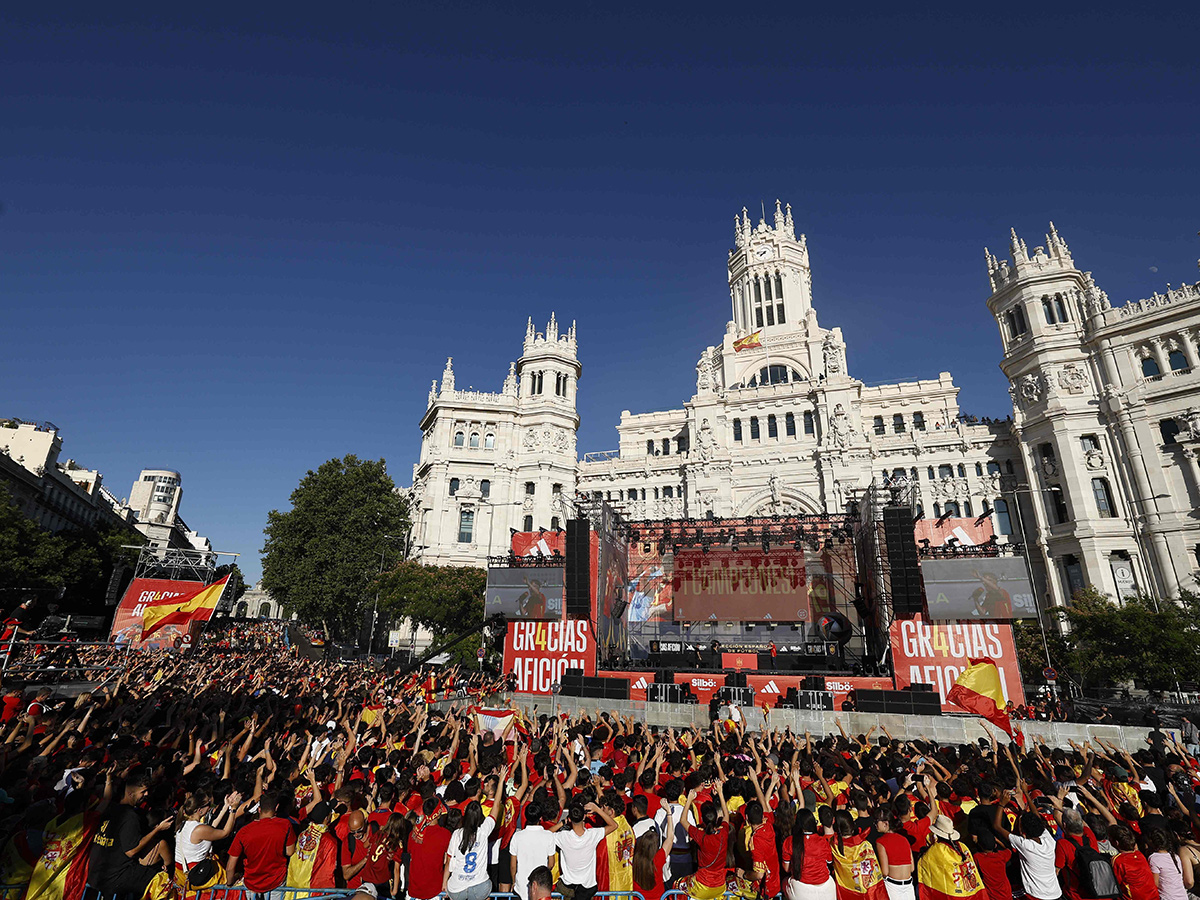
[763,204]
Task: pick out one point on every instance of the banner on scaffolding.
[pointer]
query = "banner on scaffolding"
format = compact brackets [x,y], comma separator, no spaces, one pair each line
[128,622]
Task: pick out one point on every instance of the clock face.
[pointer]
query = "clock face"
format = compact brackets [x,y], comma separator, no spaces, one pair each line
[762,252]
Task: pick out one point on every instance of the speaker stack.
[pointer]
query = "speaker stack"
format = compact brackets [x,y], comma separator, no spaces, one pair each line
[903,703]
[579,569]
[901,544]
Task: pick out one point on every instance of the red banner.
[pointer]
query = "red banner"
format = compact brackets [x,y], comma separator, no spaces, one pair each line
[938,653]
[538,653]
[127,623]
[703,686]
[968,532]
[739,661]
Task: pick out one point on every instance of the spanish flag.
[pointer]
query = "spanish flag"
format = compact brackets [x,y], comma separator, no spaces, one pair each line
[978,690]
[948,872]
[749,342]
[180,610]
[856,870]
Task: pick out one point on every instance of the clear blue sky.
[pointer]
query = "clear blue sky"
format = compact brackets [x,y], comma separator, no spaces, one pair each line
[242,240]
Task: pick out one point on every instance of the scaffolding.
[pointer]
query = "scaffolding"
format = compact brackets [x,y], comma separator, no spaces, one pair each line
[873,565]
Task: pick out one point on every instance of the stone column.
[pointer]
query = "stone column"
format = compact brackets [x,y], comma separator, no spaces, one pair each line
[1160,356]
[1187,342]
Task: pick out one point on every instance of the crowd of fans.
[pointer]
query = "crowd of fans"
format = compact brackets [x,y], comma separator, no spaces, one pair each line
[270,771]
[246,634]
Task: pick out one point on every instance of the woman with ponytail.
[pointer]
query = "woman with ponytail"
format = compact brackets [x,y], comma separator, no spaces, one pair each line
[808,870]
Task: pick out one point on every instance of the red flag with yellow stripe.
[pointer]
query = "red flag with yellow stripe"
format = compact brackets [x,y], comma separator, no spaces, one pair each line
[749,342]
[948,872]
[180,610]
[856,871]
[978,690]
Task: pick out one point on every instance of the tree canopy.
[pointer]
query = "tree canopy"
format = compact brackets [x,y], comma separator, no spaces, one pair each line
[237,584]
[321,557]
[445,599]
[37,564]
[1154,643]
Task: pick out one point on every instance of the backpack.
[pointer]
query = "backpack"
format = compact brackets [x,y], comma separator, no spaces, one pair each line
[1096,877]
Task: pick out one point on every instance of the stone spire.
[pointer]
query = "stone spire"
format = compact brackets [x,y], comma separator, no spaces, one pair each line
[529,332]
[552,328]
[778,215]
[571,331]
[433,392]
[1016,246]
[448,375]
[510,382]
[787,222]
[737,231]
[1058,247]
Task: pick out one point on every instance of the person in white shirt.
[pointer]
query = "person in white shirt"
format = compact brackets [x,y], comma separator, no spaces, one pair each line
[577,852]
[529,848]
[465,875]
[1035,846]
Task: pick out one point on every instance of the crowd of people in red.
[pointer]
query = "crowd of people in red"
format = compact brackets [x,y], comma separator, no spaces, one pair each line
[261,769]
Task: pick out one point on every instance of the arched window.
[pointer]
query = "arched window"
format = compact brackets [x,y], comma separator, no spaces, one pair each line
[918,421]
[898,423]
[264,611]
[668,491]
[530,489]
[772,426]
[554,522]
[655,493]
[993,467]
[754,428]
[789,424]
[773,375]
[779,299]
[459,438]
[987,509]
[979,468]
[1022,327]
[952,509]
[1008,466]
[1177,360]
[931,475]
[1060,309]
[912,474]
[920,510]
[1104,498]
[879,427]
[666,446]
[1003,522]
[967,509]
[466,525]
[809,425]
[489,441]
[758,313]
[770,310]
[241,610]
[937,510]
[474,444]
[1011,321]
[962,471]
[945,470]
[650,447]
[485,488]
[737,430]
[454,482]
[1150,367]
[1059,512]
[527,523]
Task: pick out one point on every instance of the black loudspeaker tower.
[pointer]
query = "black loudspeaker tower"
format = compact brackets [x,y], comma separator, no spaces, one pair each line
[901,544]
[579,568]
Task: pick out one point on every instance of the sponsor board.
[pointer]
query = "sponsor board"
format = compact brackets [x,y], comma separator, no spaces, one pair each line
[937,653]
[703,685]
[538,653]
[127,623]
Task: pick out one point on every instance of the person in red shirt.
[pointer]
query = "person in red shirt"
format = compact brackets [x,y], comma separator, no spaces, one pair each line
[895,859]
[263,847]
[385,847]
[352,851]
[649,860]
[808,875]
[13,702]
[991,854]
[427,845]
[1075,835]
[712,839]
[1130,867]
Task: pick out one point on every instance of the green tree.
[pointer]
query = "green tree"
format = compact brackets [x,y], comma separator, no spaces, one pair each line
[1155,643]
[445,599]
[322,556]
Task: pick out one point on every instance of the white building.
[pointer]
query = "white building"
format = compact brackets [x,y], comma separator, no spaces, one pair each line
[782,425]
[155,499]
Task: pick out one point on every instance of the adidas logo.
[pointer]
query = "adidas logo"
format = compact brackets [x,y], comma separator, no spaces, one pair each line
[640,684]
[771,688]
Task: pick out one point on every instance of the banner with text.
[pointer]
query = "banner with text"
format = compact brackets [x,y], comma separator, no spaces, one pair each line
[127,623]
[748,586]
[703,686]
[925,653]
[539,652]
[525,592]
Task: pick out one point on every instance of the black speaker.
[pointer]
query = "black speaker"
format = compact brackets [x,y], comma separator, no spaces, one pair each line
[572,676]
[870,701]
[897,703]
[925,704]
[592,689]
[812,683]
[579,568]
[616,689]
[903,562]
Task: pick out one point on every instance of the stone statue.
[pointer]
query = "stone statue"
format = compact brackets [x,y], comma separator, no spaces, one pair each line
[833,357]
[776,490]
[705,442]
[1191,421]
[703,370]
[839,425]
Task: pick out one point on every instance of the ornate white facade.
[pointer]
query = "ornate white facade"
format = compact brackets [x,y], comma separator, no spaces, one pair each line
[782,425]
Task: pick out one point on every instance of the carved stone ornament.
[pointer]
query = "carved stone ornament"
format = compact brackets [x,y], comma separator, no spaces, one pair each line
[1191,421]
[705,442]
[1094,459]
[1032,387]
[833,357]
[1072,379]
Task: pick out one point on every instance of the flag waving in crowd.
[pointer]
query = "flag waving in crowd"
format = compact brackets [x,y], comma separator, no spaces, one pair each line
[181,610]
[979,690]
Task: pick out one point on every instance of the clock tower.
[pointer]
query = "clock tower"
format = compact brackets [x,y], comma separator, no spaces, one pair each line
[770,285]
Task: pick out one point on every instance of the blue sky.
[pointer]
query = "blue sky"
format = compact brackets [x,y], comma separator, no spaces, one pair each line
[241,240]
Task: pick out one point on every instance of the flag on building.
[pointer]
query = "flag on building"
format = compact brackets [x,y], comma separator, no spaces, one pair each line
[497,721]
[749,342]
[978,690]
[197,606]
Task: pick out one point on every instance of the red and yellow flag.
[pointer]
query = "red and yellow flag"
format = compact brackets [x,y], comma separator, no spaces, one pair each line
[978,690]
[856,871]
[749,342]
[180,610]
[949,873]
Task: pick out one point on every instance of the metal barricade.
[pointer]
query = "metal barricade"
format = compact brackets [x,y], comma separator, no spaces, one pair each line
[241,892]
